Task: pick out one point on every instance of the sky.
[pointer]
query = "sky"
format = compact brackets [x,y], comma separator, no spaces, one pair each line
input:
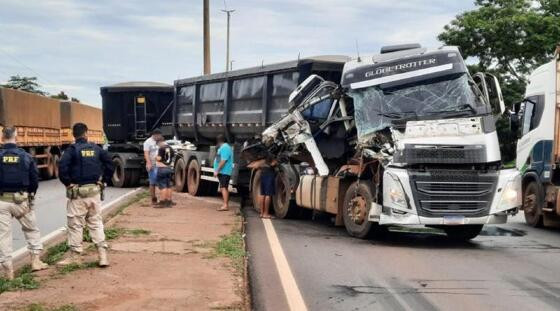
[79,46]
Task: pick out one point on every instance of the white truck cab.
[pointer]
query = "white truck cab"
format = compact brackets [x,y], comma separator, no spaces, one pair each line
[536,120]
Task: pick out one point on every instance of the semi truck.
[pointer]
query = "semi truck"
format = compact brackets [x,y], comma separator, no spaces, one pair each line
[537,122]
[44,125]
[131,110]
[238,104]
[407,137]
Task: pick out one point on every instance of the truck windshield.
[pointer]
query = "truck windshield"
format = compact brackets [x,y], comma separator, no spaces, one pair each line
[377,107]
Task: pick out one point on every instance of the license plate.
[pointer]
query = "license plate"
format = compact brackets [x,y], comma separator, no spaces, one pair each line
[453,220]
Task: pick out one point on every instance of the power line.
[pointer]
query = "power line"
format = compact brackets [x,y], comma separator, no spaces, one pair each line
[25,66]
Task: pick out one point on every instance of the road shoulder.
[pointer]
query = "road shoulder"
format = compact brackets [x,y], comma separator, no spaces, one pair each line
[186,257]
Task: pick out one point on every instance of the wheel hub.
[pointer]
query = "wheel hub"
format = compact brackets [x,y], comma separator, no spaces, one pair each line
[529,203]
[357,210]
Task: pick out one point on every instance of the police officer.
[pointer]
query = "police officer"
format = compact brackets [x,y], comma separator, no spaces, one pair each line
[83,169]
[18,184]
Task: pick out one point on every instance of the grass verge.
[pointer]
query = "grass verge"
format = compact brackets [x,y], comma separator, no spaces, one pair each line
[232,246]
[24,280]
[40,307]
[76,266]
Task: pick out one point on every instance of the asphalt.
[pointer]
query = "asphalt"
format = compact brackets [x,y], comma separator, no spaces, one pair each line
[508,267]
[50,208]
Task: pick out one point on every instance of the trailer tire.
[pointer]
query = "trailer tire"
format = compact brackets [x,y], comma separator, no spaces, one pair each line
[256,190]
[196,186]
[180,175]
[122,177]
[462,233]
[533,200]
[49,171]
[56,159]
[357,202]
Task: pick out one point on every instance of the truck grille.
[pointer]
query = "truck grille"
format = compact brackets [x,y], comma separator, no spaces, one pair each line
[453,192]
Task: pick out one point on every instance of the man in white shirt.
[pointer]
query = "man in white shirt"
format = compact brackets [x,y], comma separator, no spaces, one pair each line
[150,155]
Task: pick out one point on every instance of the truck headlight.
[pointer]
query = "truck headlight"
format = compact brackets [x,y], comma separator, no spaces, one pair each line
[511,194]
[393,191]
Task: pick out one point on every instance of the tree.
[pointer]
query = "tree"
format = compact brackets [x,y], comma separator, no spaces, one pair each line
[27,84]
[60,95]
[510,39]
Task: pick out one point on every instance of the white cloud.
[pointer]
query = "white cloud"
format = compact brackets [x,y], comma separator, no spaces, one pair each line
[79,46]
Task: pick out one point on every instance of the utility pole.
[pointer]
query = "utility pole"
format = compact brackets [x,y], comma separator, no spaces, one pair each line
[206,26]
[228,12]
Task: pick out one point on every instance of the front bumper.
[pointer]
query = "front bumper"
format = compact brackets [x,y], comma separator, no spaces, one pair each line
[450,210]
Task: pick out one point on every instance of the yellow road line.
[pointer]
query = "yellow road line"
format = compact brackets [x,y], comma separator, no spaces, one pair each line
[291,290]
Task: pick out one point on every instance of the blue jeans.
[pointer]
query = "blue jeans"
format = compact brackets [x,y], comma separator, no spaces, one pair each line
[152,176]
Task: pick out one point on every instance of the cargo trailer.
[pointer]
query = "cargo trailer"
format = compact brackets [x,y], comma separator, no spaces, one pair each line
[239,104]
[131,110]
[44,125]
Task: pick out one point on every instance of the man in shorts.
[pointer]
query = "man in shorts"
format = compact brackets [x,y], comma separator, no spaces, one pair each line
[223,167]
[150,154]
[164,175]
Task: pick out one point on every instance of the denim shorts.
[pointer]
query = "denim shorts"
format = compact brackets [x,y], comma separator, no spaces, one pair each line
[268,186]
[164,177]
[152,176]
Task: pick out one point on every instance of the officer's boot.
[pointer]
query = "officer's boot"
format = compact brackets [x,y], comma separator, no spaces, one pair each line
[8,270]
[37,264]
[73,258]
[102,252]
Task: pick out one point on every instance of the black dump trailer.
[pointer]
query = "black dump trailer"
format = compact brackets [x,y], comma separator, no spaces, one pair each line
[240,105]
[130,111]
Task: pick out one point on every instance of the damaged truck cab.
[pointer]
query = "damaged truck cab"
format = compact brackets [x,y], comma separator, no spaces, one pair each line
[419,145]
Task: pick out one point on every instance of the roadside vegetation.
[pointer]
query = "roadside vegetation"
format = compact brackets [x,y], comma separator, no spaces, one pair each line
[40,307]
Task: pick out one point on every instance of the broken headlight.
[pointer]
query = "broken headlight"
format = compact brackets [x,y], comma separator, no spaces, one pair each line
[393,192]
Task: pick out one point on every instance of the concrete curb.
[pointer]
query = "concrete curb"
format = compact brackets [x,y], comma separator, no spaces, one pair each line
[21,256]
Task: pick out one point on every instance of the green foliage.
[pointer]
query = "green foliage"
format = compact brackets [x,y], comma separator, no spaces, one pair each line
[56,253]
[60,95]
[24,280]
[40,307]
[76,266]
[27,84]
[233,247]
[510,39]
[115,233]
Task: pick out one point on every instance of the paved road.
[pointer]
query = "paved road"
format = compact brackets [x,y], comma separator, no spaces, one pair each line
[50,206]
[509,267]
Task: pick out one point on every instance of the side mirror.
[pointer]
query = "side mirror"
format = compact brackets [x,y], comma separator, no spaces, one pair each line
[514,122]
[480,81]
[495,97]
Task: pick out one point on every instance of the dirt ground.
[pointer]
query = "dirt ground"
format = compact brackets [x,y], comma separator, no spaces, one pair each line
[167,261]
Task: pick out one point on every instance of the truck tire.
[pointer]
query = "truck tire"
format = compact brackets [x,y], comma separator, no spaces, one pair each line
[122,177]
[195,185]
[533,200]
[180,175]
[355,212]
[48,172]
[284,206]
[462,233]
[56,159]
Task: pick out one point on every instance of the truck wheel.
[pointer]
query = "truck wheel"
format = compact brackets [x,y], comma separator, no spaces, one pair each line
[180,175]
[122,177]
[532,205]
[56,159]
[48,172]
[195,185]
[284,206]
[357,202]
[462,233]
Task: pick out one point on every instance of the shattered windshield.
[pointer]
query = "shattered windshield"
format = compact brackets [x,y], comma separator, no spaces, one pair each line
[450,96]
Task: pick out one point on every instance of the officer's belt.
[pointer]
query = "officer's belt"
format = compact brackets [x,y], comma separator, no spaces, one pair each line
[14,197]
[86,191]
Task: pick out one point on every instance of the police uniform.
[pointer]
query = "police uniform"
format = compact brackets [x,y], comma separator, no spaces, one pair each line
[82,168]
[18,182]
